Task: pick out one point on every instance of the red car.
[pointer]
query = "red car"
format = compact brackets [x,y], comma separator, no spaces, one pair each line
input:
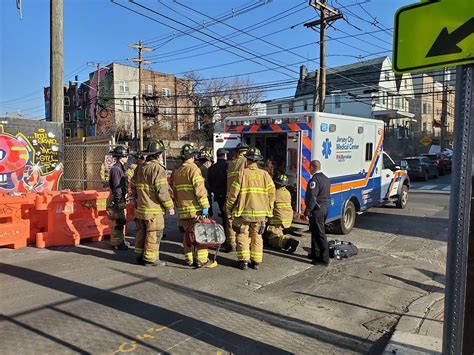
[442,162]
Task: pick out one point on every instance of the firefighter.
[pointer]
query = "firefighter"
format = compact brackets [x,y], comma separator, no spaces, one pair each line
[140,158]
[206,159]
[118,185]
[191,198]
[233,170]
[282,218]
[150,188]
[218,182]
[250,201]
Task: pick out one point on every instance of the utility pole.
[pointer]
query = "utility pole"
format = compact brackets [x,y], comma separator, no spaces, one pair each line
[140,62]
[56,61]
[323,22]
[444,112]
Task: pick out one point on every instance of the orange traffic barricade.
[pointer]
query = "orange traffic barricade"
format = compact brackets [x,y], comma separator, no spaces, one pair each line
[14,220]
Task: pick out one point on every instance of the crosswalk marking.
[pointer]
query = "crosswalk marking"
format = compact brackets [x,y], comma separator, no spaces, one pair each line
[427,187]
[438,187]
[447,188]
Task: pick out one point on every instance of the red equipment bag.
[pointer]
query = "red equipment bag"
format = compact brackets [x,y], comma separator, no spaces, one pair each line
[206,232]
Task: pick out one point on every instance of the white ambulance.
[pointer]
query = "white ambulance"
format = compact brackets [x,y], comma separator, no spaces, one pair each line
[350,150]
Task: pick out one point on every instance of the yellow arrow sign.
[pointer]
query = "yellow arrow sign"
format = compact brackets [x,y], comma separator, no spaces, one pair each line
[433,34]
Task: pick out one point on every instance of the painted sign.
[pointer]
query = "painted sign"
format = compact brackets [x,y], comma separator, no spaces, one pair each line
[30,156]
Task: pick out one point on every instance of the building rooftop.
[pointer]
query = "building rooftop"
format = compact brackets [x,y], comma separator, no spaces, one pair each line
[344,77]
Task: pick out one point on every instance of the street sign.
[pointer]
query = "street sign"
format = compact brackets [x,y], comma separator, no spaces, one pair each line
[426,141]
[433,34]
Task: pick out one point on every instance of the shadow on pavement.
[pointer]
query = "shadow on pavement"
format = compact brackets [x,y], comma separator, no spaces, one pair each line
[404,225]
[422,286]
[137,308]
[294,325]
[367,308]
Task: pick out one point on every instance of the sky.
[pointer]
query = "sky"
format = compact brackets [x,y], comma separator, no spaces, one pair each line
[268,32]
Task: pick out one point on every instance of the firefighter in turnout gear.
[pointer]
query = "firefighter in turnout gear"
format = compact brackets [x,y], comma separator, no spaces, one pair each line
[150,188]
[282,218]
[250,202]
[116,203]
[234,168]
[192,201]
[206,159]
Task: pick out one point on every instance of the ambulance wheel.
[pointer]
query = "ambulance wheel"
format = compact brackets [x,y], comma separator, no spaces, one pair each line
[402,198]
[347,221]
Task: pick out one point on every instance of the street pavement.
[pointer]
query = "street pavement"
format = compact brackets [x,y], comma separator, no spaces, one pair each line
[90,299]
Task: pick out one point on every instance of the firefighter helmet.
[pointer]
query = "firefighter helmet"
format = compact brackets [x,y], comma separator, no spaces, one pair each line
[206,154]
[254,154]
[155,147]
[188,151]
[119,152]
[242,146]
[282,180]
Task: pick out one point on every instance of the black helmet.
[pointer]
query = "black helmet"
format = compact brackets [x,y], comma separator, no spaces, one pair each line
[254,154]
[119,152]
[156,147]
[188,151]
[206,154]
[282,180]
[242,146]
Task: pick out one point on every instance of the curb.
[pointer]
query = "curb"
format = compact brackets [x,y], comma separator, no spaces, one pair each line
[406,338]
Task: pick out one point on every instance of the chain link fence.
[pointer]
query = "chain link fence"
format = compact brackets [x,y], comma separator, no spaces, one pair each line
[86,163]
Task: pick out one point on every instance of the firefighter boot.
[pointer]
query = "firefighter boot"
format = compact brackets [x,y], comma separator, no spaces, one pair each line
[254,265]
[293,245]
[121,246]
[243,265]
[140,261]
[154,263]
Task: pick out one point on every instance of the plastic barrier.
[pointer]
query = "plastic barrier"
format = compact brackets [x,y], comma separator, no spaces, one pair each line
[72,216]
[15,220]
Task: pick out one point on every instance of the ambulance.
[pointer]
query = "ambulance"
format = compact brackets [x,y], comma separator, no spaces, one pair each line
[350,150]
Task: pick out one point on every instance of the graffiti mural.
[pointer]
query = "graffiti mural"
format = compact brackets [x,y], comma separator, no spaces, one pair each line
[30,160]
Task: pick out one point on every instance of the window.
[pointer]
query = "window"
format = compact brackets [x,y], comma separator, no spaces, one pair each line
[149,89]
[66,101]
[75,133]
[290,106]
[425,108]
[74,100]
[127,105]
[166,93]
[305,105]
[67,132]
[124,86]
[279,108]
[167,111]
[438,111]
[122,105]
[369,149]
[424,126]
[337,101]
[387,163]
[387,75]
[384,98]
[67,117]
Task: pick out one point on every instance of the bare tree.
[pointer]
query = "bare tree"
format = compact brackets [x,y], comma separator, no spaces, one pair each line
[216,99]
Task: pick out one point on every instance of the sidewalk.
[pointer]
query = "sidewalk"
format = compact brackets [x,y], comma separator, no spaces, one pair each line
[420,330]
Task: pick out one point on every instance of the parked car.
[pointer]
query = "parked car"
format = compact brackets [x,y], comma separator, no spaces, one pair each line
[442,162]
[421,168]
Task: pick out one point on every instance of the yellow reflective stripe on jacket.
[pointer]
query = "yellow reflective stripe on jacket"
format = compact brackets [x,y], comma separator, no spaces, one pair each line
[254,190]
[279,221]
[168,204]
[203,201]
[233,173]
[184,187]
[151,210]
[283,205]
[236,185]
[192,208]
[144,187]
[197,179]
[270,186]
[252,213]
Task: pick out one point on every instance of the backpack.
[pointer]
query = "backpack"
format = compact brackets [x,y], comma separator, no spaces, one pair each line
[341,250]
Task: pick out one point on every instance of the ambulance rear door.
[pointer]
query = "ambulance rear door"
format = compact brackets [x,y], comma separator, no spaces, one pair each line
[293,166]
[228,141]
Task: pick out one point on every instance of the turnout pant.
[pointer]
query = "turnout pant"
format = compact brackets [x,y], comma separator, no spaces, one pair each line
[192,252]
[319,242]
[148,238]
[119,220]
[249,241]
[275,237]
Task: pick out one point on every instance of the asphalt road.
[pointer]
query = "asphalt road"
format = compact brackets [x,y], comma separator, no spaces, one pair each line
[89,299]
